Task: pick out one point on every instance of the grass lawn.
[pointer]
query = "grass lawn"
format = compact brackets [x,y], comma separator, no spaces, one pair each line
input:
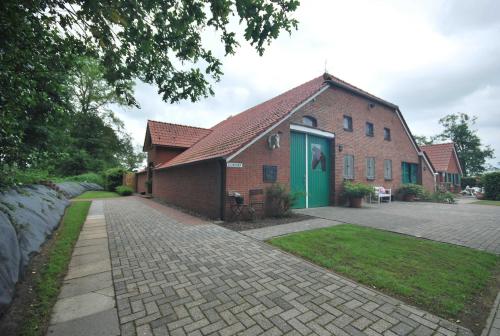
[439,277]
[487,202]
[48,280]
[97,194]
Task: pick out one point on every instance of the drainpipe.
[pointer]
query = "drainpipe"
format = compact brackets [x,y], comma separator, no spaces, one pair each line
[222,188]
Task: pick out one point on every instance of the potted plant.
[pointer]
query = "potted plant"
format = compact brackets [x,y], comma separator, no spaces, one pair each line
[408,192]
[355,192]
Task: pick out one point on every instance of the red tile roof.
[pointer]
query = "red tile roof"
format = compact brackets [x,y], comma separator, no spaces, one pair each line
[230,135]
[233,133]
[439,154]
[166,134]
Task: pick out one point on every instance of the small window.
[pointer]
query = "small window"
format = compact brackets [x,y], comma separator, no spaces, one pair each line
[348,167]
[387,134]
[388,169]
[370,168]
[347,123]
[309,121]
[369,129]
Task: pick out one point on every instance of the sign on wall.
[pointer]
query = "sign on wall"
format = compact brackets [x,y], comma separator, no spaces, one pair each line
[270,173]
[234,165]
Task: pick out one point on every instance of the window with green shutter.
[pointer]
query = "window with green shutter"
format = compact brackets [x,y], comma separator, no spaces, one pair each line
[348,166]
[388,169]
[370,168]
[409,172]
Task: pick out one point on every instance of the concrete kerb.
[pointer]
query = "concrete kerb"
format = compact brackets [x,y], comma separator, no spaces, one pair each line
[491,329]
[86,304]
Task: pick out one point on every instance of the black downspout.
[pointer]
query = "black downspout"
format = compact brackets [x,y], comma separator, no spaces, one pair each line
[222,189]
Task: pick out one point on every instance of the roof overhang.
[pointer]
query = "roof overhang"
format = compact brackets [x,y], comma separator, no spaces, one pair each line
[286,117]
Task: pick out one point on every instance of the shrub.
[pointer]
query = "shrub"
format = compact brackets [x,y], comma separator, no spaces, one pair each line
[113,178]
[471,181]
[441,197]
[124,190]
[88,177]
[279,200]
[411,189]
[357,190]
[491,184]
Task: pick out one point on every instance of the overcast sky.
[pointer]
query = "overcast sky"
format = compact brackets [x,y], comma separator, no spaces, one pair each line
[431,58]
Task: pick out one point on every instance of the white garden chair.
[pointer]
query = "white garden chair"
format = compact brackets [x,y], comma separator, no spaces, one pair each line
[382,193]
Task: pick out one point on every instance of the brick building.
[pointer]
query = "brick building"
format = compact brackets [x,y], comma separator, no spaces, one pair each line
[310,138]
[444,159]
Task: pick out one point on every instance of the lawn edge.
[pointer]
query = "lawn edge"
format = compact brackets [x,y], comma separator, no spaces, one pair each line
[37,319]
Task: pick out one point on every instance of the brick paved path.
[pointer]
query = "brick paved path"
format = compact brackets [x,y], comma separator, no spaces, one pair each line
[176,279]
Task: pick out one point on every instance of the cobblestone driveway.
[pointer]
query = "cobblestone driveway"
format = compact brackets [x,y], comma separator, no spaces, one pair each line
[176,279]
[471,225]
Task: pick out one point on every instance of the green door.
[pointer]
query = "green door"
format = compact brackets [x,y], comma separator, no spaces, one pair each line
[298,167]
[318,171]
[316,152]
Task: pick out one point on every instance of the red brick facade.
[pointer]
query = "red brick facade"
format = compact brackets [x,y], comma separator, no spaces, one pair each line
[329,109]
[195,187]
[200,186]
[160,154]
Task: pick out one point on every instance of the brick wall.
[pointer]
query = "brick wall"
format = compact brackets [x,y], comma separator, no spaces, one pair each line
[159,154]
[194,187]
[241,180]
[329,109]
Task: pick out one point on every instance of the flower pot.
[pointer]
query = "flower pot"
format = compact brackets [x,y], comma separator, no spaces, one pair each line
[408,198]
[355,202]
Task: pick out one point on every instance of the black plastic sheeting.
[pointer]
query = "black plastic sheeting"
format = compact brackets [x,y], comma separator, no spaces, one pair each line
[28,216]
[73,189]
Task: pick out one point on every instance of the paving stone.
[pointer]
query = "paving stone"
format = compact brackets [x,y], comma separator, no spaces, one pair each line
[79,306]
[203,279]
[86,284]
[103,323]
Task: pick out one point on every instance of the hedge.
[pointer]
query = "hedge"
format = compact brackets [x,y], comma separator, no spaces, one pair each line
[491,184]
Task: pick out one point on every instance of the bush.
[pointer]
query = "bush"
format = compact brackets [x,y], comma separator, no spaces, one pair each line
[279,200]
[113,178]
[471,181]
[13,176]
[88,177]
[491,184]
[357,190]
[441,197]
[124,190]
[411,189]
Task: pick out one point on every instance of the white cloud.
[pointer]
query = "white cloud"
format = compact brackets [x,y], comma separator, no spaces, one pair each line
[429,57]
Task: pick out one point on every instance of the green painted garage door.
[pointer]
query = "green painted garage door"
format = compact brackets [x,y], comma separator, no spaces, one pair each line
[315,151]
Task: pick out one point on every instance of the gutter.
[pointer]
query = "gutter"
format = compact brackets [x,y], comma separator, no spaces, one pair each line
[222,210]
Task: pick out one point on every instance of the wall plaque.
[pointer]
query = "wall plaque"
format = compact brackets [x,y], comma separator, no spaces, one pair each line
[234,165]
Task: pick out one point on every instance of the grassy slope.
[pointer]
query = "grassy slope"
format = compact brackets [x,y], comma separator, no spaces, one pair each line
[97,194]
[49,280]
[440,277]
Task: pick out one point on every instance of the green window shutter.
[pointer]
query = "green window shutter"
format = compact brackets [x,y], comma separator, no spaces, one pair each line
[388,169]
[348,166]
[414,168]
[370,168]
[404,173]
